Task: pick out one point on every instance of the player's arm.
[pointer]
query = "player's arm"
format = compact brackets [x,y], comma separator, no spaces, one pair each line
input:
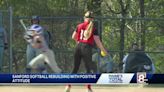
[74,35]
[28,36]
[37,41]
[99,43]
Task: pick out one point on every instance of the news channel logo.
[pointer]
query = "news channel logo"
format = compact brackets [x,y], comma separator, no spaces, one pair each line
[115,78]
[141,78]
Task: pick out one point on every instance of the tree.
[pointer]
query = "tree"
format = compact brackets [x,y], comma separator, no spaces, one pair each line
[123,11]
[142,14]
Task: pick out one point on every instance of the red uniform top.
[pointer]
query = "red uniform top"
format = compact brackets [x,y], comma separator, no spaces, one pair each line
[81,28]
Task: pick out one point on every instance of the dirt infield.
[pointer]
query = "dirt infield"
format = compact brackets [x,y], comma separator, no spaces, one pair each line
[80,89]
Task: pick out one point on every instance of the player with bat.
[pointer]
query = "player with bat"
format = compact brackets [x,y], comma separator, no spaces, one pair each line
[85,35]
[46,56]
[30,51]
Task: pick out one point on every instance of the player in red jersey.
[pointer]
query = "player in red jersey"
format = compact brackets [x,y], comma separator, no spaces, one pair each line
[85,35]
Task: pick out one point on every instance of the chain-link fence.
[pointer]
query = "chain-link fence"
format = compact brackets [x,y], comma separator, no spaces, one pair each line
[6,40]
[61,29]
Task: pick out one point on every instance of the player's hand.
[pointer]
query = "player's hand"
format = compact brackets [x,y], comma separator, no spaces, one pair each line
[104,53]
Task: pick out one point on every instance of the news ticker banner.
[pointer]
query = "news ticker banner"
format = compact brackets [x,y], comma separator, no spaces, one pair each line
[105,78]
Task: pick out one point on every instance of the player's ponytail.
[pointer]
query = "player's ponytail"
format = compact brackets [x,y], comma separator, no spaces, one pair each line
[89,29]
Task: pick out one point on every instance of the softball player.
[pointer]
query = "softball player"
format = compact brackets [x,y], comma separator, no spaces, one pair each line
[30,51]
[46,56]
[85,35]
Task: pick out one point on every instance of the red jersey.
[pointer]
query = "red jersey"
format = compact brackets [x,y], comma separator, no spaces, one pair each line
[80,30]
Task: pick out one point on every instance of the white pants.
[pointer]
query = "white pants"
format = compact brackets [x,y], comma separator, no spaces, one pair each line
[45,57]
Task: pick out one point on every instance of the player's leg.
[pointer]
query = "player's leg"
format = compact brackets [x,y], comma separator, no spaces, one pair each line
[30,52]
[87,57]
[77,59]
[36,63]
[89,89]
[77,62]
[67,88]
[50,60]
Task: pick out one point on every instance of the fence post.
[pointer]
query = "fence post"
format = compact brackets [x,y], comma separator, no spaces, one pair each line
[10,39]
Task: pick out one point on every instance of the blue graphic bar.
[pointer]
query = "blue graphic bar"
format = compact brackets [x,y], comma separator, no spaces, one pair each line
[105,78]
[49,78]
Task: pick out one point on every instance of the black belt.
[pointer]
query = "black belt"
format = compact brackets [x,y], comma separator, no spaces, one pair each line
[84,44]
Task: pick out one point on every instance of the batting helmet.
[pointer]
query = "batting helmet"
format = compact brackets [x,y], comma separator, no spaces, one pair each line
[36,28]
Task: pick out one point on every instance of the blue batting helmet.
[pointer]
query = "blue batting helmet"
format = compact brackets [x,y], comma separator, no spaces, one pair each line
[36,28]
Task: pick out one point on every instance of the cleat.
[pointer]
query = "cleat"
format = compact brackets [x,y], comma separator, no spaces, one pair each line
[68,88]
[89,89]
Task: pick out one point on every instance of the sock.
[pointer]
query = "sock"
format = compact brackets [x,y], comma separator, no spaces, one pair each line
[88,86]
